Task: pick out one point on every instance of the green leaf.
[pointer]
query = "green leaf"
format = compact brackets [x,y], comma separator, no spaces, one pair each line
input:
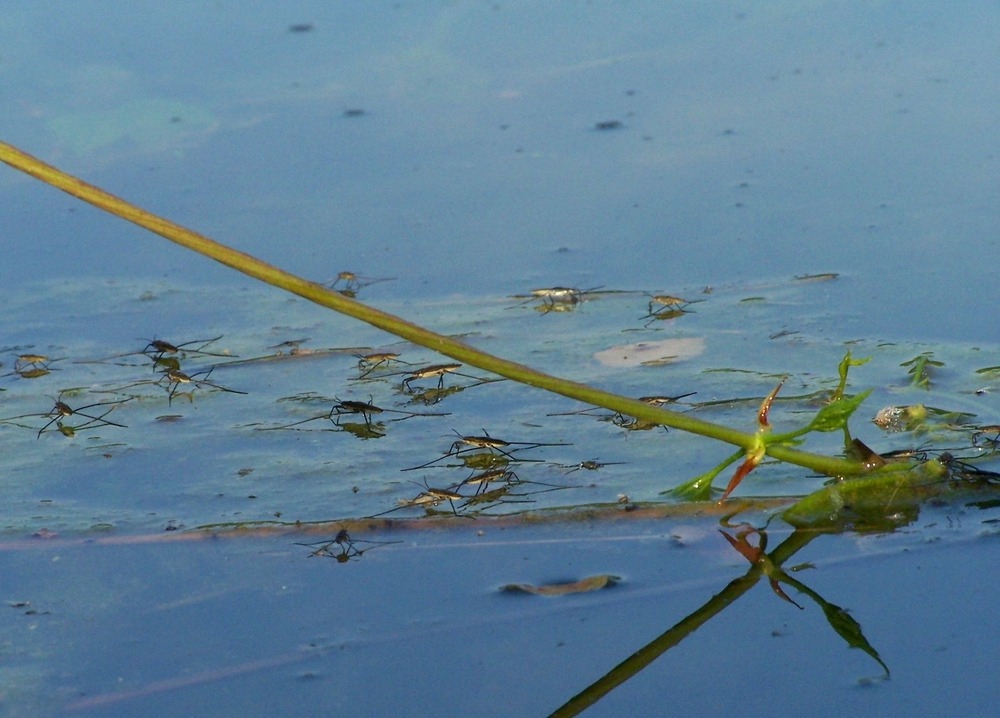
[845,365]
[880,501]
[834,415]
[919,373]
[700,487]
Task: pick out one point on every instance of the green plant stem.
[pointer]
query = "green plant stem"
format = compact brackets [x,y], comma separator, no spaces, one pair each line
[253,267]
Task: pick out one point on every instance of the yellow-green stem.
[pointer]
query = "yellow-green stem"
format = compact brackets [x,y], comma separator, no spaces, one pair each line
[253,267]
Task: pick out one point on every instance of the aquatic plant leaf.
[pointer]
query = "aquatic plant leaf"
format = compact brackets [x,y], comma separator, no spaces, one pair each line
[882,500]
[834,415]
[756,554]
[591,583]
[749,464]
[919,372]
[839,619]
[697,489]
[765,407]
[755,453]
[842,369]
[700,487]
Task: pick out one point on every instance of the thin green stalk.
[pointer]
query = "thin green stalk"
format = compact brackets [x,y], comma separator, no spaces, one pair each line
[253,267]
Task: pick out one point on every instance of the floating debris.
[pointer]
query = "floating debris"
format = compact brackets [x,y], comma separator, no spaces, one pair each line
[665,351]
[585,585]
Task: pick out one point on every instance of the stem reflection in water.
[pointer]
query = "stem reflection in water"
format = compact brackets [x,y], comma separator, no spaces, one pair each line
[838,508]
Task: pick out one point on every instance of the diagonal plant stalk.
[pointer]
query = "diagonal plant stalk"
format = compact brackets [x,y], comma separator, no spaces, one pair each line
[253,267]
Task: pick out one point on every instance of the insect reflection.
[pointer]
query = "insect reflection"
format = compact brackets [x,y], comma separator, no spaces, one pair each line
[989,434]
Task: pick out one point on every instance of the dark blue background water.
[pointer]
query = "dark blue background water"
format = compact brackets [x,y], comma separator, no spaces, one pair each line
[754,142]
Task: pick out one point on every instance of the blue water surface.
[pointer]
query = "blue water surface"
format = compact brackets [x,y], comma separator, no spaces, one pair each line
[471,151]
[455,145]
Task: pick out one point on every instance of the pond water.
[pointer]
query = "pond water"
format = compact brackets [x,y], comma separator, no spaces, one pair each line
[809,180]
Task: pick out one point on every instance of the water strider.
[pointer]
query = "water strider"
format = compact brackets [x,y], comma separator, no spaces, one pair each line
[470,446]
[348,546]
[483,479]
[555,299]
[431,370]
[665,307]
[61,410]
[349,283]
[31,366]
[26,361]
[661,400]
[156,349]
[590,465]
[368,363]
[365,409]
[175,377]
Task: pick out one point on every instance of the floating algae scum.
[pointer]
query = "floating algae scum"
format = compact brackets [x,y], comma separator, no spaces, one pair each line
[480,489]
